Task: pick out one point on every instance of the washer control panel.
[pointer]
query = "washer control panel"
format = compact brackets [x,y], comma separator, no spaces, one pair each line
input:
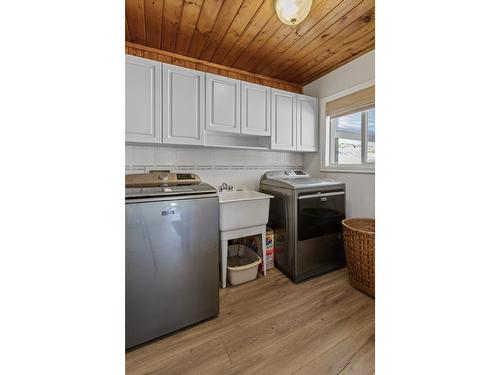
[154,178]
[286,174]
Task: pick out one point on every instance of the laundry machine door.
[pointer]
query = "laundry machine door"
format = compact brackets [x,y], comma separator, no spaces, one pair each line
[319,232]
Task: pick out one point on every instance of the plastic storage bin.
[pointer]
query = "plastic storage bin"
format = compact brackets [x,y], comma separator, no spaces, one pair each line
[242,264]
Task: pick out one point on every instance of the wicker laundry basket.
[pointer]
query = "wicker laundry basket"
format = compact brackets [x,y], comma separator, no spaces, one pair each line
[359,242]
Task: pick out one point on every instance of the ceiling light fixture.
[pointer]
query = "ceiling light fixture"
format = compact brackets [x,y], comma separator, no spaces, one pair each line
[292,12]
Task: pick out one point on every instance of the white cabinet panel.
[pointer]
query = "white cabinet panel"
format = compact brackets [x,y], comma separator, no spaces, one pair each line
[223,104]
[283,122]
[142,100]
[307,123]
[255,109]
[176,105]
[183,105]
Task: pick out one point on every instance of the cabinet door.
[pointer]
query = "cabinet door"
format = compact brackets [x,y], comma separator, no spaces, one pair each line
[255,109]
[183,105]
[223,104]
[142,100]
[283,123]
[307,123]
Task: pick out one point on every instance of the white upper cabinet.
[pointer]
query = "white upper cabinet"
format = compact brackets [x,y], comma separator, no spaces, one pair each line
[255,109]
[175,105]
[283,122]
[142,100]
[307,123]
[223,104]
[183,105]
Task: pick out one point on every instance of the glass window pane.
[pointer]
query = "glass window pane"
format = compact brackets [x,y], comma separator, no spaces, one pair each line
[371,124]
[349,127]
[348,139]
[370,155]
[348,151]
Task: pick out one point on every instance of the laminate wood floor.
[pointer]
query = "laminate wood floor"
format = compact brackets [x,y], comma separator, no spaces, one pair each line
[273,326]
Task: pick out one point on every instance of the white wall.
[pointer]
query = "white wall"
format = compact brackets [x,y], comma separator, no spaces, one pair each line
[360,188]
[238,167]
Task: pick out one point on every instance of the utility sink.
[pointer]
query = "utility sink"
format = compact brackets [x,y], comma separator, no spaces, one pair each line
[241,209]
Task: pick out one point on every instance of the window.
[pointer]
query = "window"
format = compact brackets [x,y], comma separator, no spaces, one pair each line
[370,131]
[349,144]
[352,138]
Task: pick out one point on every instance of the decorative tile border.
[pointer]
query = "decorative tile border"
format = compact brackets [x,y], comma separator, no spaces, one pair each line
[262,168]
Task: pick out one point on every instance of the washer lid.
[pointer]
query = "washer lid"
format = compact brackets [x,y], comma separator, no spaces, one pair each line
[298,179]
[165,191]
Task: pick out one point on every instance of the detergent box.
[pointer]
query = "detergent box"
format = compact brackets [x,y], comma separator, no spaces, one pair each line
[255,243]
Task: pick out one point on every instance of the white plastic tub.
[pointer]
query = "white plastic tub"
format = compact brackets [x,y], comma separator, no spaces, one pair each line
[240,209]
[242,264]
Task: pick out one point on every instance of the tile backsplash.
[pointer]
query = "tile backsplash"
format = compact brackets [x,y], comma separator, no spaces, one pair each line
[238,167]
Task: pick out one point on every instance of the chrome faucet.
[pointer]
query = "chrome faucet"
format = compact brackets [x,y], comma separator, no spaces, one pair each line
[225,187]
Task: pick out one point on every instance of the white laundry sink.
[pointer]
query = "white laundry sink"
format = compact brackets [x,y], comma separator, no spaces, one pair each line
[242,209]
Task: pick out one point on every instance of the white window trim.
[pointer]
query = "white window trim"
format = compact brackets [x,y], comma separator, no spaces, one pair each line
[324,139]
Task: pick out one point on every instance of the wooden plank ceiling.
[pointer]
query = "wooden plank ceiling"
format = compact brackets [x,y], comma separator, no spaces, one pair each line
[247,34]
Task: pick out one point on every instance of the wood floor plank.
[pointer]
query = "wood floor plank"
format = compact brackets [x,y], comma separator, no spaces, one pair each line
[363,361]
[338,358]
[275,292]
[207,358]
[296,347]
[269,326]
[234,303]
[267,332]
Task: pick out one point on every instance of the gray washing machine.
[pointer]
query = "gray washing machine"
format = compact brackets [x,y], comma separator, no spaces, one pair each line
[306,215]
[171,255]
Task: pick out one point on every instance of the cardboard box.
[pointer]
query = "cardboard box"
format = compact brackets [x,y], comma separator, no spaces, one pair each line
[255,243]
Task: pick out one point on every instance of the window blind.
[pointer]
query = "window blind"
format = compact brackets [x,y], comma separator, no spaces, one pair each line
[355,102]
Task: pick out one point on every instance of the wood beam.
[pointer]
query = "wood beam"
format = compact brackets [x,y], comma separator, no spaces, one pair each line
[205,66]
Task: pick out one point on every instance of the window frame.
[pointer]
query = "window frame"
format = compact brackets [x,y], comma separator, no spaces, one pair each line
[326,139]
[363,137]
